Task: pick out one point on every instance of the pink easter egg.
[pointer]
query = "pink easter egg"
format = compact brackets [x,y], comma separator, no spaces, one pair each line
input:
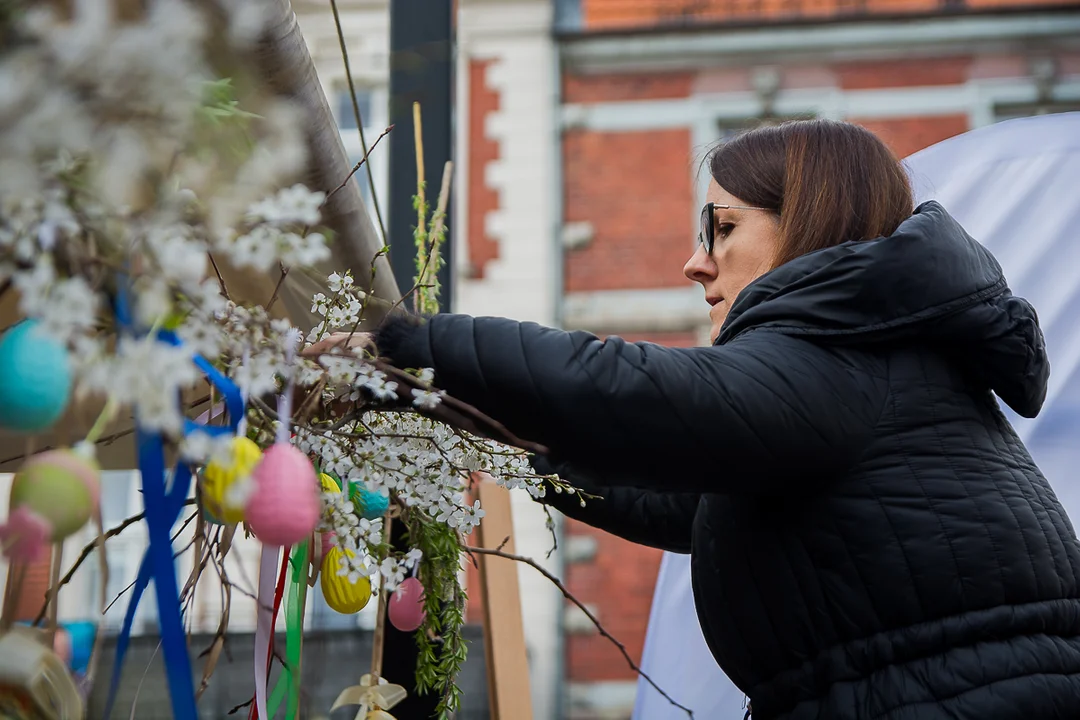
[25,536]
[326,541]
[62,646]
[406,607]
[284,506]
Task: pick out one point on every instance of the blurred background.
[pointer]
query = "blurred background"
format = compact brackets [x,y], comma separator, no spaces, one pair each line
[577,128]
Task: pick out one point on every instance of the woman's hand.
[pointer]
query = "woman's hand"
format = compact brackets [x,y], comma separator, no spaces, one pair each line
[341,341]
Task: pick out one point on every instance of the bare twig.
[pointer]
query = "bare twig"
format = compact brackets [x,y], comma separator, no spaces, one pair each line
[142,679]
[595,621]
[358,165]
[359,120]
[277,288]
[240,707]
[551,527]
[217,645]
[221,280]
[101,441]
[86,552]
[106,439]
[176,554]
[450,411]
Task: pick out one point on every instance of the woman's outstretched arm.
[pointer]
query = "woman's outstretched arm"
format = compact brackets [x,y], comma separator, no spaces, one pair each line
[765,413]
[659,520]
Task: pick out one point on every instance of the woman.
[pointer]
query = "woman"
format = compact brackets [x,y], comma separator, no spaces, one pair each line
[869,538]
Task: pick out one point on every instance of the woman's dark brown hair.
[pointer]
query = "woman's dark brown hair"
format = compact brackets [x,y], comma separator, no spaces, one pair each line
[830,182]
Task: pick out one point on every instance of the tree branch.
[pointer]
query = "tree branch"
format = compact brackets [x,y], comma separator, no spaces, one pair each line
[358,165]
[86,551]
[595,621]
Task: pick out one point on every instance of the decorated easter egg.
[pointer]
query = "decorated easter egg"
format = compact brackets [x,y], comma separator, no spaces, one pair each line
[406,606]
[340,593]
[284,506]
[221,476]
[370,505]
[25,536]
[328,483]
[326,541]
[35,378]
[61,486]
[62,646]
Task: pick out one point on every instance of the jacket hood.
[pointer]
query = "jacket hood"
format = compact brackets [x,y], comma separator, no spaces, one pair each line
[929,282]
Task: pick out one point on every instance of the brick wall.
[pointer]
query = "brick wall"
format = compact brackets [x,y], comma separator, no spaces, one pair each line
[871,75]
[612,88]
[612,14]
[483,101]
[617,580]
[634,188]
[908,135]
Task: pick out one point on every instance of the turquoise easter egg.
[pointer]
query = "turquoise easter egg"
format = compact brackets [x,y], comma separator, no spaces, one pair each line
[370,505]
[35,378]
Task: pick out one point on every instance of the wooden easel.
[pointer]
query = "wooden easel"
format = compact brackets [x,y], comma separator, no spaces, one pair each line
[509,693]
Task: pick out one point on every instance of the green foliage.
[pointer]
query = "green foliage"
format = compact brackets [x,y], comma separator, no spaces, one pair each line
[220,104]
[442,649]
[429,235]
[222,122]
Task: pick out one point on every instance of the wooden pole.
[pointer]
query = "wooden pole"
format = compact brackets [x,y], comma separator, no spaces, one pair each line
[504,629]
[287,67]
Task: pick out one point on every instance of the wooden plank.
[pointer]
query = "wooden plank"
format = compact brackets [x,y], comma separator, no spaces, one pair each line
[504,630]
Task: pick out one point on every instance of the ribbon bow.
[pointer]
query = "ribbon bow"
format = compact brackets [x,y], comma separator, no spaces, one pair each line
[374,696]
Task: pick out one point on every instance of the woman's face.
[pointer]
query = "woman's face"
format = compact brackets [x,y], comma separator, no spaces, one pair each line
[746,241]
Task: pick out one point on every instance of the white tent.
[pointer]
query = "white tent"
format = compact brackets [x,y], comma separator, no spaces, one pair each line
[1015,187]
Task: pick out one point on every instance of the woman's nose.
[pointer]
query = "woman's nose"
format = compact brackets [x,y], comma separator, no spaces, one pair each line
[700,267]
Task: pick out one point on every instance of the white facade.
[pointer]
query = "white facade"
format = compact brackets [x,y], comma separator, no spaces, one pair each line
[521,283]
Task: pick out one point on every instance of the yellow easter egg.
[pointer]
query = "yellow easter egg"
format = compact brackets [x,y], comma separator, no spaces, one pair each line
[328,483]
[220,474]
[341,595]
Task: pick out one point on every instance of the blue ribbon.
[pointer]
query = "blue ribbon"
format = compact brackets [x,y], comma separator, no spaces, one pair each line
[163,508]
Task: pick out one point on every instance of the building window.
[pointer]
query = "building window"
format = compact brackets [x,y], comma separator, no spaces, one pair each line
[372,103]
[346,116]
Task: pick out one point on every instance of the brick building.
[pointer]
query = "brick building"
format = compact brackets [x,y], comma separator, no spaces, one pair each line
[583,123]
[580,128]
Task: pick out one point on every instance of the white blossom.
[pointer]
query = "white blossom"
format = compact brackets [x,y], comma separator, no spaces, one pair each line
[293,205]
[393,573]
[426,399]
[201,447]
[147,375]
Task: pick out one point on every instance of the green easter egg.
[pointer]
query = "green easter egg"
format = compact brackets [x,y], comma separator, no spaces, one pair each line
[57,491]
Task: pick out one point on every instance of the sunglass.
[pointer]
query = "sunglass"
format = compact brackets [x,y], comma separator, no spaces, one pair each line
[707,235]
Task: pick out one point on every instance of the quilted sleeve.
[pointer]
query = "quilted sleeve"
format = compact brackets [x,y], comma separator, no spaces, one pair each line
[657,519]
[765,413]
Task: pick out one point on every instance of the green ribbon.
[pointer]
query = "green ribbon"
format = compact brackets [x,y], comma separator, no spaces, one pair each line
[288,682]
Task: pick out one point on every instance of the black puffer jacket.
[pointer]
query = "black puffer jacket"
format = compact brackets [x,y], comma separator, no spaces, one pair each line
[870,538]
